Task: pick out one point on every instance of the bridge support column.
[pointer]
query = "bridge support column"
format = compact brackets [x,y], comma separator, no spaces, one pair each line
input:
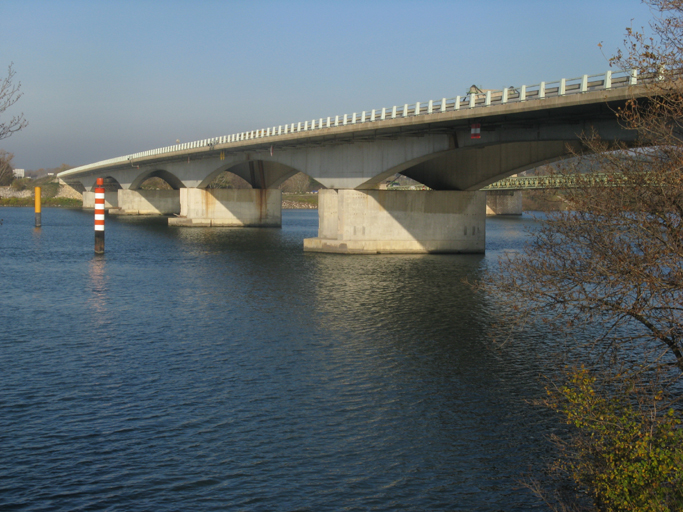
[229,207]
[147,202]
[504,202]
[388,221]
[111,200]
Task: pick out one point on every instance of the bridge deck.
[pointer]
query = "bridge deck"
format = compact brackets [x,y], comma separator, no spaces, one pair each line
[431,116]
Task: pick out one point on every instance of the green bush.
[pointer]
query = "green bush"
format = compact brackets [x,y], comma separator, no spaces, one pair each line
[48,190]
[626,454]
[61,202]
[20,184]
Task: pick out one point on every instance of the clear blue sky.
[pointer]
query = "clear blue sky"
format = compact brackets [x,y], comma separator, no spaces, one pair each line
[109,78]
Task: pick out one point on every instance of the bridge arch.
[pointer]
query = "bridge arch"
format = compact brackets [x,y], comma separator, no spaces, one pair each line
[474,167]
[258,173]
[168,177]
[228,179]
[110,184]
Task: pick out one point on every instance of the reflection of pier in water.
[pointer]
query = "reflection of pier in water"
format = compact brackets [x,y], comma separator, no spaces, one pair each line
[98,283]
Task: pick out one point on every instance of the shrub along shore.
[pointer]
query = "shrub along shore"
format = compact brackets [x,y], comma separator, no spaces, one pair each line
[21,193]
[53,198]
[533,201]
[299,201]
[61,202]
[66,202]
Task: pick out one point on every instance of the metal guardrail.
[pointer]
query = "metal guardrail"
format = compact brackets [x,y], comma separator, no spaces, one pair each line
[562,87]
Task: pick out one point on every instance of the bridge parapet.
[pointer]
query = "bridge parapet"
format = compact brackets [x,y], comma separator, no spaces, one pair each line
[366,118]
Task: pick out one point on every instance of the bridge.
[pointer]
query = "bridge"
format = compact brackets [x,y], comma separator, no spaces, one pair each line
[455,146]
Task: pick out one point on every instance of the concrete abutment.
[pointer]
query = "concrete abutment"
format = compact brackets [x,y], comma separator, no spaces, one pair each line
[379,221]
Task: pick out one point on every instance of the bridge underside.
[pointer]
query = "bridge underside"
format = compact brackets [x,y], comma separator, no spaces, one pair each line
[474,168]
[464,169]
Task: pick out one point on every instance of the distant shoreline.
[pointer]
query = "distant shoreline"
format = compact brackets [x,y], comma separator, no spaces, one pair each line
[297,205]
[63,202]
[25,202]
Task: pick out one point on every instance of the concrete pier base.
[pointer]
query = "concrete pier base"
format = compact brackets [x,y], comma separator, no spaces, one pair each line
[379,221]
[229,207]
[504,202]
[111,200]
[147,202]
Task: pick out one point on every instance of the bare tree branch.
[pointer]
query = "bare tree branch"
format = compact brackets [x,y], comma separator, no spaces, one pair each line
[9,95]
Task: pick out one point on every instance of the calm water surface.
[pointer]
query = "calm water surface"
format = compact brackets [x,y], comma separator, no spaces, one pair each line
[224,369]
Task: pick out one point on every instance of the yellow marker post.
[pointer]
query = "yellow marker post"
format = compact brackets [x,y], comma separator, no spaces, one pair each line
[37,194]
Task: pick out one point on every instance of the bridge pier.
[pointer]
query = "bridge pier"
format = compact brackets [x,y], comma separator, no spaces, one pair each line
[229,207]
[147,202]
[504,202]
[111,200]
[388,221]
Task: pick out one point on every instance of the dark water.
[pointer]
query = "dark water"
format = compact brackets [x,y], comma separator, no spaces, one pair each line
[224,369]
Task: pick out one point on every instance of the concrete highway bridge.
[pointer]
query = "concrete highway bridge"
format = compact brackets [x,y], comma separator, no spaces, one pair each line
[455,146]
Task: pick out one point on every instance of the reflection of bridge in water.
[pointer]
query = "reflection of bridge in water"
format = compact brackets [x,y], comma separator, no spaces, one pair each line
[454,146]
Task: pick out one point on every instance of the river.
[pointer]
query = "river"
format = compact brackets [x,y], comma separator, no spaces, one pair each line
[226,369]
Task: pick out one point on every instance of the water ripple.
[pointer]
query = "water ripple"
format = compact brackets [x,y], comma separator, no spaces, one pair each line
[213,369]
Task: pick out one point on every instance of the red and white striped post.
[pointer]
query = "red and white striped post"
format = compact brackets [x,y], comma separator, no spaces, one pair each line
[99,217]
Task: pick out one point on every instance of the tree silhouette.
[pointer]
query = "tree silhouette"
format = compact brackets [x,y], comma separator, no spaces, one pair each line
[9,95]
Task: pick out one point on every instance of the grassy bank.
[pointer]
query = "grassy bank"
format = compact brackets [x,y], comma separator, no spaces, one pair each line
[61,202]
[311,199]
[299,201]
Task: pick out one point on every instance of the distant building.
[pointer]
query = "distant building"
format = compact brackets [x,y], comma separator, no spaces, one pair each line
[18,173]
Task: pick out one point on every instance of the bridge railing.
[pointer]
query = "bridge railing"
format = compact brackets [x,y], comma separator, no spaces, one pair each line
[563,87]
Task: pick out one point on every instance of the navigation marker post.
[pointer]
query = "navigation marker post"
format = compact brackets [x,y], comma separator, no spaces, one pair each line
[99,217]
[37,195]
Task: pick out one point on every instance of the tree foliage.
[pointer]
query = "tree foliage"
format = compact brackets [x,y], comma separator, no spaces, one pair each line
[626,451]
[6,168]
[155,184]
[227,179]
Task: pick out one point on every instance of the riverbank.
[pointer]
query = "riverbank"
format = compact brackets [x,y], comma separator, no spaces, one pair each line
[52,194]
[299,201]
[65,197]
[60,202]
